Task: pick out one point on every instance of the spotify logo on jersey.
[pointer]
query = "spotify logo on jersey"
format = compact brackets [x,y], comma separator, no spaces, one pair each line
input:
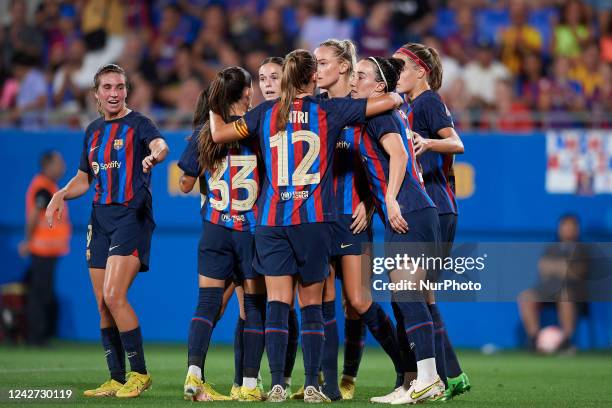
[105,166]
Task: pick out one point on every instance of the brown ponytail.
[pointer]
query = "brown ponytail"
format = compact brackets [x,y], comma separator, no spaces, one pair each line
[298,68]
[434,77]
[430,60]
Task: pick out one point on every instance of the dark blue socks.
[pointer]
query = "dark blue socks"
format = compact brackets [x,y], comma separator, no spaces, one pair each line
[277,332]
[292,343]
[329,362]
[354,341]
[439,341]
[238,351]
[312,343]
[113,350]
[200,329]
[255,310]
[380,326]
[419,328]
[132,344]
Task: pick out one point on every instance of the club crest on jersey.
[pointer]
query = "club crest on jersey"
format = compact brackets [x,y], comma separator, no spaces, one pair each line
[118,144]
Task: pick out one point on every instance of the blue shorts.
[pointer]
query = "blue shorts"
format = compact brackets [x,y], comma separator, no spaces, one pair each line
[423,236]
[120,230]
[225,254]
[344,242]
[301,250]
[448,226]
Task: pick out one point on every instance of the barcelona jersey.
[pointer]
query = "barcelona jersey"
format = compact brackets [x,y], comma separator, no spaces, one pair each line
[298,184]
[350,182]
[412,195]
[230,191]
[113,151]
[428,114]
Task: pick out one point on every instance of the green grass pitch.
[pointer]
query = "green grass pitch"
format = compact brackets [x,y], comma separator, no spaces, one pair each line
[508,379]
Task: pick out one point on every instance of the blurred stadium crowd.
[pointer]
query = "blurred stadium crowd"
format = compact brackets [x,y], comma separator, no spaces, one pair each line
[509,65]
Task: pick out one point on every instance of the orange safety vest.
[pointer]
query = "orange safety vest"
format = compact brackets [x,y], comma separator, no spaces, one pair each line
[48,242]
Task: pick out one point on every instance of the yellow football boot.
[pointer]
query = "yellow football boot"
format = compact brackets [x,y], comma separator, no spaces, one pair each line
[108,389]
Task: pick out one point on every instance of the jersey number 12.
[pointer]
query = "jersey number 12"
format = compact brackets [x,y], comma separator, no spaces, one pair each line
[300,176]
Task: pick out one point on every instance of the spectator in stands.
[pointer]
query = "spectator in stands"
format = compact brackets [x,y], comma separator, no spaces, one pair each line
[586,73]
[188,92]
[275,38]
[374,36]
[330,20]
[101,21]
[44,246]
[530,79]
[32,94]
[481,75]
[167,41]
[19,37]
[603,100]
[411,20]
[66,95]
[509,114]
[572,33]
[519,38]
[605,42]
[562,274]
[134,58]
[140,97]
[61,29]
[566,92]
[210,43]
[182,71]
[462,42]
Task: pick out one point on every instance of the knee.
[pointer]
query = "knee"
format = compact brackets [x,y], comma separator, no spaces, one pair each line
[113,301]
[360,304]
[103,310]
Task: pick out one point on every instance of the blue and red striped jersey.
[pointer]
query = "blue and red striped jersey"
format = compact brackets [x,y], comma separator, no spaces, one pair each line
[113,151]
[229,193]
[350,181]
[412,195]
[428,114]
[298,184]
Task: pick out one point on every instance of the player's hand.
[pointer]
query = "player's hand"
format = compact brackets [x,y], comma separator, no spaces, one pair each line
[397,222]
[149,161]
[360,219]
[399,101]
[24,248]
[421,144]
[56,205]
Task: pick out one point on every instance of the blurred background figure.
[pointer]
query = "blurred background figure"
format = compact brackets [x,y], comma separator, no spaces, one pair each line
[44,246]
[562,275]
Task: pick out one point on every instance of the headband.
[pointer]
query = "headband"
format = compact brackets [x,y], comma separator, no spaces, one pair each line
[413,57]
[381,72]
